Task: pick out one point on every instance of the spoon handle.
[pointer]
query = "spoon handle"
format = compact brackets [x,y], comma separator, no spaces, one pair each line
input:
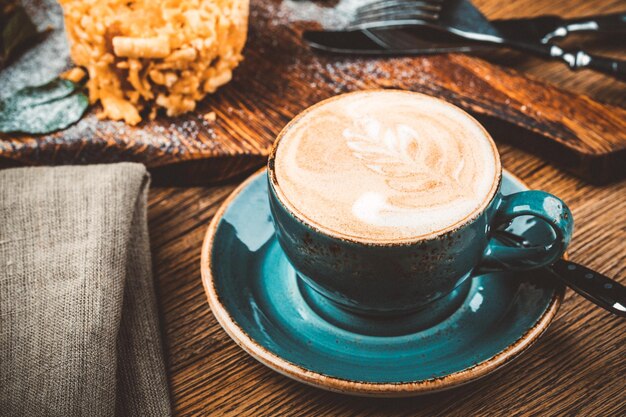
[600,289]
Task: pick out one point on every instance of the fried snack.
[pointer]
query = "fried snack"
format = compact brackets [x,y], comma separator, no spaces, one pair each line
[75,75]
[155,53]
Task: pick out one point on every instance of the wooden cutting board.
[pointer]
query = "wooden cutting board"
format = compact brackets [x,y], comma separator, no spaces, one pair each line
[280,77]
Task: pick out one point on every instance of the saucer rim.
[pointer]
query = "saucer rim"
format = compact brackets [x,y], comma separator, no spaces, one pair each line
[354,387]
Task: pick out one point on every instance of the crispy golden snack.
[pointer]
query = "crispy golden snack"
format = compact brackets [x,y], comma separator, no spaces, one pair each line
[155,53]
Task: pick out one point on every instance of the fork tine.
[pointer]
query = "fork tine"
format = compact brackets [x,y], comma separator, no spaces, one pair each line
[383,3]
[390,4]
[385,17]
[397,15]
[392,10]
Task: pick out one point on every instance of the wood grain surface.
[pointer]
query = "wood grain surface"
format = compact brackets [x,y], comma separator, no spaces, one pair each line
[280,77]
[576,369]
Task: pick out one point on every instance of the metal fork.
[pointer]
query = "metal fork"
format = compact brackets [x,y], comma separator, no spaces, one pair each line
[461,18]
[406,9]
[396,13]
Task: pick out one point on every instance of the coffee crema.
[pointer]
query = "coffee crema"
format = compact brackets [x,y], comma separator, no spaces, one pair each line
[385,165]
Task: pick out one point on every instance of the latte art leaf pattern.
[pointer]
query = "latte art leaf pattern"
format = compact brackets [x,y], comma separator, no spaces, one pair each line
[410,161]
[385,165]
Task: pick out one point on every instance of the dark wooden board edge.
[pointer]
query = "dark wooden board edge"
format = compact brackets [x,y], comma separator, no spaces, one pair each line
[281,77]
[597,169]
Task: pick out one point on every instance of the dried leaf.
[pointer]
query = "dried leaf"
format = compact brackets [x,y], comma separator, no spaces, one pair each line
[43,109]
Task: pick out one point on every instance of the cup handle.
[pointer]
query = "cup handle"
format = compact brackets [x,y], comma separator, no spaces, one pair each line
[498,256]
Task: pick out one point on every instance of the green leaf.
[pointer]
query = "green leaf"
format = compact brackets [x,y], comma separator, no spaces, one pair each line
[43,109]
[19,29]
[34,95]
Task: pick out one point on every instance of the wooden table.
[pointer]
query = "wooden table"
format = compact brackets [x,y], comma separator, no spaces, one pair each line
[577,368]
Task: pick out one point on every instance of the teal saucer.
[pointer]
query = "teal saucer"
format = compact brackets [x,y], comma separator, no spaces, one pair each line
[256,296]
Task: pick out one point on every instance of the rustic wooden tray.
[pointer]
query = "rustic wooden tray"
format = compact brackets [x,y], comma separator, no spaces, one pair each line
[280,77]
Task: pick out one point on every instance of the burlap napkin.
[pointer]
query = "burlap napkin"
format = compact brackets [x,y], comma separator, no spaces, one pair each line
[79,332]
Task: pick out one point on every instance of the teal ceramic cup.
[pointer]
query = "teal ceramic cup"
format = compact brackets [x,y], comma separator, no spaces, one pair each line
[386,278]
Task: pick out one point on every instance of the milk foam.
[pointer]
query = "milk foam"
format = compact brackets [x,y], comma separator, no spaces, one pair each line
[385,165]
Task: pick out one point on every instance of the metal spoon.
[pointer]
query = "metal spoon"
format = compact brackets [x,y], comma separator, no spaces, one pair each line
[594,286]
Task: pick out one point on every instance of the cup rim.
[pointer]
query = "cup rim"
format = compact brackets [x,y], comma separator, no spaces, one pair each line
[327,232]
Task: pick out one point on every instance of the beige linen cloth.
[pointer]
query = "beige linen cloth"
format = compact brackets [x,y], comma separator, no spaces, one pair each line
[79,333]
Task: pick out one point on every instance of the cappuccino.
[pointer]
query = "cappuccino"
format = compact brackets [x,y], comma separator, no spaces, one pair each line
[383,166]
